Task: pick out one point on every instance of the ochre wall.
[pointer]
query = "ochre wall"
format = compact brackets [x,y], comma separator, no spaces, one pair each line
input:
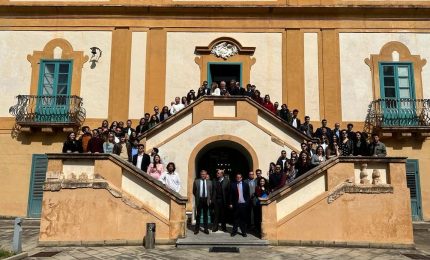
[371,216]
[376,218]
[94,215]
[415,149]
[16,158]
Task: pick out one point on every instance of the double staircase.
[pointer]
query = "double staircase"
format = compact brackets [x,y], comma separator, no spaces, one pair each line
[101,199]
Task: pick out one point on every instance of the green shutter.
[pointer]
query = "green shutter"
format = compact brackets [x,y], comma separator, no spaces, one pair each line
[413,182]
[38,174]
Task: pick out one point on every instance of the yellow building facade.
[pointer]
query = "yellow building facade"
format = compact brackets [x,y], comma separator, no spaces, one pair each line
[329,59]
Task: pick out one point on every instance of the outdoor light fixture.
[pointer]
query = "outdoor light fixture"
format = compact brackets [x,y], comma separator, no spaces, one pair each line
[96,53]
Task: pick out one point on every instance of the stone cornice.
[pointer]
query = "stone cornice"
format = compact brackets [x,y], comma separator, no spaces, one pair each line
[339,12]
[356,188]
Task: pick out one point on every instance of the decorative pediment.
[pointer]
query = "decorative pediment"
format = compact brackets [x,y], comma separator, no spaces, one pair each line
[224,47]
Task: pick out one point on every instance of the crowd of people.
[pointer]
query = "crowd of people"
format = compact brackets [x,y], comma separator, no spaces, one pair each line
[222,196]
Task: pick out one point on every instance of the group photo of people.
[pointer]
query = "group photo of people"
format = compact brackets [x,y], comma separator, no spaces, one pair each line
[233,198]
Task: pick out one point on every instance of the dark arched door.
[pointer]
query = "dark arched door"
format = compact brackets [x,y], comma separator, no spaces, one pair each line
[226,157]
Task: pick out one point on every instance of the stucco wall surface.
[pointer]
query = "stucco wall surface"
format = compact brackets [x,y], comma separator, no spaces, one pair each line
[311,61]
[266,150]
[15,158]
[93,215]
[375,218]
[16,69]
[137,75]
[356,77]
[183,74]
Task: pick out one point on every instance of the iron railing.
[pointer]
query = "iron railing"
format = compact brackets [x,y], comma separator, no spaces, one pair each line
[48,110]
[397,112]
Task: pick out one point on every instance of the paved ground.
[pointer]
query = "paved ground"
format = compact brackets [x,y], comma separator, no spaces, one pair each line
[422,239]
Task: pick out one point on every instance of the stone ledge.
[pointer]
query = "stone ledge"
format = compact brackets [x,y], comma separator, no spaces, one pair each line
[97,243]
[346,244]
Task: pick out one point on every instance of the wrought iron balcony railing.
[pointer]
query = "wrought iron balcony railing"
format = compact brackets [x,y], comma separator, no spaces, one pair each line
[398,113]
[60,110]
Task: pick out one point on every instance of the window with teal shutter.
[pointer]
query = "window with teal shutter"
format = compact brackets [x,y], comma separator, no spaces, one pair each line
[54,90]
[398,94]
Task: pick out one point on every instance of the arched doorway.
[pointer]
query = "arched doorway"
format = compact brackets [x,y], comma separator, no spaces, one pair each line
[227,155]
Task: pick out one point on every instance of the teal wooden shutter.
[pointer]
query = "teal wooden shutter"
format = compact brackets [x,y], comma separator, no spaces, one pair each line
[413,182]
[38,174]
[398,93]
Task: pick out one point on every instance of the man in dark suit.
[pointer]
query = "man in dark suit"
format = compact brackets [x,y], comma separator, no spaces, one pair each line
[141,160]
[239,201]
[203,193]
[295,121]
[319,132]
[221,200]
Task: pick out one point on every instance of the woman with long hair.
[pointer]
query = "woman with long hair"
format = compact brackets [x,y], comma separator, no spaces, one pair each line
[346,147]
[71,145]
[257,97]
[272,167]
[268,104]
[318,157]
[332,150]
[113,126]
[153,121]
[142,127]
[360,145]
[191,97]
[184,101]
[156,168]
[109,144]
[105,127]
[165,113]
[261,192]
[303,164]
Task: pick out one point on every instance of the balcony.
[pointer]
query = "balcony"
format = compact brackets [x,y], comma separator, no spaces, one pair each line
[400,117]
[48,112]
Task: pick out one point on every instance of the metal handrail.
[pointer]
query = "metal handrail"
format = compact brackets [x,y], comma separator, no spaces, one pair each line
[60,109]
[397,112]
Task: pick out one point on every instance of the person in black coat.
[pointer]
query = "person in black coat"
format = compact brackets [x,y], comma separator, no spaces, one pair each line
[141,158]
[221,199]
[239,202]
[72,145]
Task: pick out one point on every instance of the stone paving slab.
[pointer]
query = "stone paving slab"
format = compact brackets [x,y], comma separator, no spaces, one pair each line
[270,252]
[165,252]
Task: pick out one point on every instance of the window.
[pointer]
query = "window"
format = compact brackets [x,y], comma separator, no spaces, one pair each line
[53,91]
[397,80]
[397,91]
[55,78]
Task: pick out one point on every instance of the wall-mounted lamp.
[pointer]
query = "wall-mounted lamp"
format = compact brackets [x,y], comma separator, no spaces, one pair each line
[96,53]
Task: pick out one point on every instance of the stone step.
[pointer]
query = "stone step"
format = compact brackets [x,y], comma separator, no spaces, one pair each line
[421,226]
[27,223]
[219,239]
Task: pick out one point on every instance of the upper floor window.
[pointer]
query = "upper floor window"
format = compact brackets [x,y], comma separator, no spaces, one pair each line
[55,77]
[397,80]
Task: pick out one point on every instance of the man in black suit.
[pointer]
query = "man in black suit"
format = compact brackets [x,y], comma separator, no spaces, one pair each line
[203,193]
[295,121]
[141,160]
[319,132]
[221,200]
[239,201]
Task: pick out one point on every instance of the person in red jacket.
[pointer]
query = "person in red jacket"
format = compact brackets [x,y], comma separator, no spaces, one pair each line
[268,105]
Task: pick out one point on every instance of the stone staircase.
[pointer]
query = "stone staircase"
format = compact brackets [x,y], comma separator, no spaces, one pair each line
[422,226]
[27,223]
[219,239]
